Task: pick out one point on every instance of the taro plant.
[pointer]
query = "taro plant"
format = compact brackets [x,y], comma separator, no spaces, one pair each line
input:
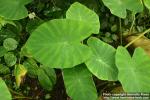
[71,44]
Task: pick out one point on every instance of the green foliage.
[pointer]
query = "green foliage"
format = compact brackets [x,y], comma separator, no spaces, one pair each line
[10,59]
[147,3]
[2,51]
[46,77]
[60,46]
[74,44]
[4,69]
[10,44]
[13,10]
[31,67]
[136,68]
[79,83]
[80,12]
[118,7]
[4,92]
[102,61]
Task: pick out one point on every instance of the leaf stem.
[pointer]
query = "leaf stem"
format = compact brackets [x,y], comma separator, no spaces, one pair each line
[133,15]
[19,97]
[120,29]
[14,92]
[142,34]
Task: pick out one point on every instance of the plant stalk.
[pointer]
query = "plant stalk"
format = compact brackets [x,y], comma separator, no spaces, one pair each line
[142,34]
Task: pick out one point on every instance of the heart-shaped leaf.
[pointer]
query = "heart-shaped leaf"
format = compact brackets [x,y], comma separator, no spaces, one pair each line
[134,5]
[80,12]
[13,10]
[4,92]
[147,3]
[102,61]
[79,83]
[57,43]
[118,7]
[133,72]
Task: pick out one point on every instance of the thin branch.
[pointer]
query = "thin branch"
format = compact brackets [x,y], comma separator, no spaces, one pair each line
[142,34]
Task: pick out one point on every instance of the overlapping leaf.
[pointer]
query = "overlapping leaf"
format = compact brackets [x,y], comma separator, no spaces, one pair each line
[57,43]
[118,7]
[45,80]
[13,10]
[133,72]
[102,61]
[80,12]
[134,5]
[147,3]
[4,92]
[32,67]
[79,84]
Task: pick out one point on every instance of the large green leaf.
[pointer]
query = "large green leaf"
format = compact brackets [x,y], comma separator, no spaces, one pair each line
[13,10]
[118,7]
[57,43]
[147,3]
[4,92]
[79,83]
[80,12]
[133,72]
[102,62]
[134,5]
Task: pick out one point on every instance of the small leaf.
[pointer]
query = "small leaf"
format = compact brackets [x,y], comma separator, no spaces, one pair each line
[4,92]
[4,69]
[102,61]
[50,73]
[13,10]
[80,12]
[136,68]
[147,3]
[10,59]
[61,38]
[19,72]
[3,51]
[10,44]
[44,80]
[31,67]
[79,83]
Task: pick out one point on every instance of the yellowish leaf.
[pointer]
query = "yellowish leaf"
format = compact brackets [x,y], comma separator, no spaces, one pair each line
[19,72]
